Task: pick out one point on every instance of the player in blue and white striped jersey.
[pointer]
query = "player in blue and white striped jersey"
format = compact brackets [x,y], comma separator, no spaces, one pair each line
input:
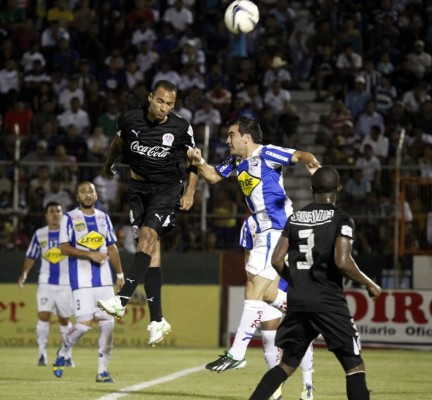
[54,293]
[87,237]
[259,171]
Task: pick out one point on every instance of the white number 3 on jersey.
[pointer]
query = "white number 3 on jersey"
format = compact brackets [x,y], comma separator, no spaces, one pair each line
[306,248]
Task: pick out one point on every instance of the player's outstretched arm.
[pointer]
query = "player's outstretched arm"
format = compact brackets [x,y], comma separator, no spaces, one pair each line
[114,152]
[278,257]
[208,172]
[308,159]
[350,269]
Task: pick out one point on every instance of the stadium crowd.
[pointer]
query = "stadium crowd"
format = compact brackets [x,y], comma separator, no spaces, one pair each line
[68,68]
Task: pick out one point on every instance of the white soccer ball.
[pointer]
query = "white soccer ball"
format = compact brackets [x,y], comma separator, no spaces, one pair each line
[241,16]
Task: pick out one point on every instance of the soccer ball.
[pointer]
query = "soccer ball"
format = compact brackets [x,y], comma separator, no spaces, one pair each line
[241,16]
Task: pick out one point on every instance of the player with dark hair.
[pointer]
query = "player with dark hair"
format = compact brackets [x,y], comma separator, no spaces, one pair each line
[318,239]
[54,292]
[259,171]
[153,141]
[88,238]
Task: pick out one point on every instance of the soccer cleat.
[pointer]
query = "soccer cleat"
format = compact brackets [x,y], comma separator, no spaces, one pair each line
[42,362]
[104,377]
[58,366]
[307,393]
[112,306]
[226,361]
[157,331]
[69,363]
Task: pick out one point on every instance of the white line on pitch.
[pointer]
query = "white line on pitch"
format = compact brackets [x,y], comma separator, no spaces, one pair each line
[143,385]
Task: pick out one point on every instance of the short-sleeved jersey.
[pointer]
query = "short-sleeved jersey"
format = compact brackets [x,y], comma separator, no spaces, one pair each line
[89,233]
[315,282]
[54,267]
[261,180]
[151,149]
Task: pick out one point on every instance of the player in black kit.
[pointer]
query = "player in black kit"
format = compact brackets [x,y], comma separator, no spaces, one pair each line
[153,141]
[318,240]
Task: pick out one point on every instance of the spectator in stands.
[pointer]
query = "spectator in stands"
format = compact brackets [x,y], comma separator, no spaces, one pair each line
[65,58]
[220,97]
[133,74]
[191,78]
[191,54]
[276,72]
[413,98]
[371,76]
[421,64]
[31,55]
[140,10]
[118,36]
[179,16]
[349,64]
[72,90]
[371,167]
[209,115]
[385,66]
[385,95]
[33,80]
[403,78]
[425,162]
[75,116]
[98,143]
[338,116]
[36,157]
[61,13]
[167,44]
[62,159]
[144,32]
[379,143]
[251,95]
[91,48]
[356,99]
[147,59]
[57,194]
[85,75]
[113,78]
[40,184]
[349,141]
[95,102]
[10,78]
[108,119]
[21,116]
[166,72]
[51,37]
[179,109]
[369,118]
[350,35]
[84,17]
[423,119]
[357,188]
[279,99]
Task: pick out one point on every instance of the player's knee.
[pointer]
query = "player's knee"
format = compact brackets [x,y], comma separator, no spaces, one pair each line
[350,363]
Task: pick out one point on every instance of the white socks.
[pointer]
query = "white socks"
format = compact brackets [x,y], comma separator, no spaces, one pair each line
[249,322]
[271,352]
[42,331]
[72,337]
[281,301]
[105,344]
[64,329]
[306,366]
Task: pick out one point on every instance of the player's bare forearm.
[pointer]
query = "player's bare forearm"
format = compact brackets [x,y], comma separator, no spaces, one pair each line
[308,159]
[114,152]
[208,172]
[114,256]
[68,250]
[27,266]
[350,269]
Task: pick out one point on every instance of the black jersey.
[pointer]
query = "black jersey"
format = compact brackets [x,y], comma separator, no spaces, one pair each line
[315,282]
[153,150]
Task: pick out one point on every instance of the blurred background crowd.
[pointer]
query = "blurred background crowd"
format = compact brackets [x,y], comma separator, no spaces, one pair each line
[68,68]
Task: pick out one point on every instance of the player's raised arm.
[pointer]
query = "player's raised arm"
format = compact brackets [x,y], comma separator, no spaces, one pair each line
[208,172]
[308,159]
[350,269]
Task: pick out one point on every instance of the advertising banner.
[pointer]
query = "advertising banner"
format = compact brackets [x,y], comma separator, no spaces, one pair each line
[192,310]
[399,318]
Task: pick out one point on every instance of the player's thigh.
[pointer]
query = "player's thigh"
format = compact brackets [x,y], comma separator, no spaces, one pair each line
[259,262]
[45,297]
[339,331]
[64,301]
[85,301]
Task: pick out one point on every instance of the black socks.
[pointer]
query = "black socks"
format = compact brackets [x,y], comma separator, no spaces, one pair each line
[134,276]
[356,387]
[269,383]
[153,286]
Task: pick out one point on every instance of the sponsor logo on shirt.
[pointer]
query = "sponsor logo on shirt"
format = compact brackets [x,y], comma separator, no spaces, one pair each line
[79,226]
[43,243]
[277,156]
[247,182]
[92,240]
[312,216]
[155,151]
[53,255]
[167,139]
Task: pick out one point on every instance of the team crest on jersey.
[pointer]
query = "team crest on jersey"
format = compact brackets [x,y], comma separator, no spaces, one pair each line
[79,226]
[92,240]
[253,163]
[53,255]
[247,183]
[43,243]
[167,139]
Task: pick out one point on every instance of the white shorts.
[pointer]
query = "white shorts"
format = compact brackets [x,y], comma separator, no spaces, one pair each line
[270,313]
[85,300]
[55,298]
[259,262]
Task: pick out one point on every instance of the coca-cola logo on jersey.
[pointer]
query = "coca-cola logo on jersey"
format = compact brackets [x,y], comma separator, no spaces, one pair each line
[155,151]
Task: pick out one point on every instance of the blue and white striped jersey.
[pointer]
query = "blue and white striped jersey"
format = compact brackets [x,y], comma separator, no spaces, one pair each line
[54,267]
[261,181]
[90,233]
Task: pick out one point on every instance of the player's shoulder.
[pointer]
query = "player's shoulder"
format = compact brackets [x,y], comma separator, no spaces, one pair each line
[271,152]
[178,122]
[42,230]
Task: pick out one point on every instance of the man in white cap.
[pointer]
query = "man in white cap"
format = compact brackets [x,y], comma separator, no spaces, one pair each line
[277,72]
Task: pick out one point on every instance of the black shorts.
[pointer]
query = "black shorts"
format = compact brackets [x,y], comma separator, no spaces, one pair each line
[298,329]
[154,205]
